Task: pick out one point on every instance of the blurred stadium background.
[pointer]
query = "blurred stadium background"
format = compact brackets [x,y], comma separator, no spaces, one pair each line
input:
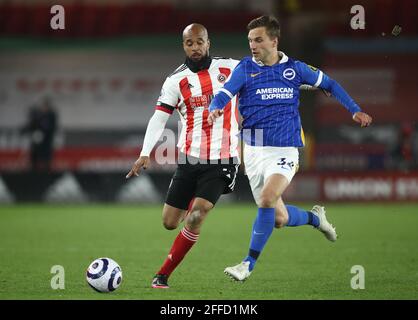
[102,75]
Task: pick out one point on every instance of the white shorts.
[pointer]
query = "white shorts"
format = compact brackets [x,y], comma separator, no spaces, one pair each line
[262,162]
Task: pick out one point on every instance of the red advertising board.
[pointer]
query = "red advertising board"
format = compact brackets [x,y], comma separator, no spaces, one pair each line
[377,186]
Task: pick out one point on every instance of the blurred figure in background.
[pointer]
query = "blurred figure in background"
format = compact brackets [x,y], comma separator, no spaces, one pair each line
[41,126]
[403,154]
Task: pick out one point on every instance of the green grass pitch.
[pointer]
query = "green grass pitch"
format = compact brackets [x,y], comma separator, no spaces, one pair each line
[297,263]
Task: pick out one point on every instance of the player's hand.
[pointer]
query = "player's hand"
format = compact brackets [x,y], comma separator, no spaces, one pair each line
[141,162]
[363,118]
[213,115]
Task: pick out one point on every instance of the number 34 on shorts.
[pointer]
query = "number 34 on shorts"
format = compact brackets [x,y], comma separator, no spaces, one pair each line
[287,165]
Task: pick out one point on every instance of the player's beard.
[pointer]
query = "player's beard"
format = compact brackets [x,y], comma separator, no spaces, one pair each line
[201,64]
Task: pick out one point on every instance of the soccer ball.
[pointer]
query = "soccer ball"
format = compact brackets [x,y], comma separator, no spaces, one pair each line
[104,275]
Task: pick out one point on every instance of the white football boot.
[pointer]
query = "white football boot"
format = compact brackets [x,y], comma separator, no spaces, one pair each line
[240,272]
[324,226]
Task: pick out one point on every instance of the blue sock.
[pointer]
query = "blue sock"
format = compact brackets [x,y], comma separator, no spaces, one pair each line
[299,217]
[262,228]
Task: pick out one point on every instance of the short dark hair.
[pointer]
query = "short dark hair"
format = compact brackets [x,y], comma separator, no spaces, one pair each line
[269,22]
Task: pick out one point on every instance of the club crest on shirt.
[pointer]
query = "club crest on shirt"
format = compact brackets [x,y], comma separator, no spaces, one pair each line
[222,78]
[289,74]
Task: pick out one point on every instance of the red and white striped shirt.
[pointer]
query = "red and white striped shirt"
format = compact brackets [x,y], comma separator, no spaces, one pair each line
[190,94]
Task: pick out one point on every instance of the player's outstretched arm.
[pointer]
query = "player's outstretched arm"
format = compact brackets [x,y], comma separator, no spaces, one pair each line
[315,77]
[344,98]
[155,128]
